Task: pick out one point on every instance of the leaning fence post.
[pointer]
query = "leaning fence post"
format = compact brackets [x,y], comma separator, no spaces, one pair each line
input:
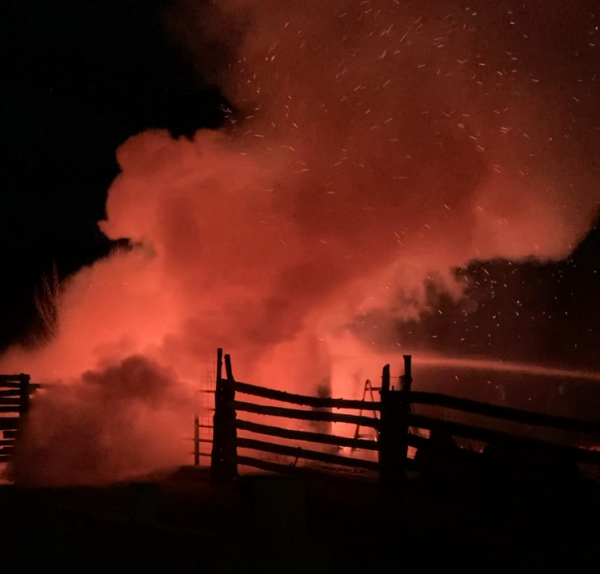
[216,470]
[382,436]
[229,429]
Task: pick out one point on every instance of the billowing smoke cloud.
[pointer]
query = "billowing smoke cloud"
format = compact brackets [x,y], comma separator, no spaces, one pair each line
[426,134]
[124,420]
[371,145]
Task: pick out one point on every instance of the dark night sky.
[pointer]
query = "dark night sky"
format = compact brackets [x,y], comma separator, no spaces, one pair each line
[80,77]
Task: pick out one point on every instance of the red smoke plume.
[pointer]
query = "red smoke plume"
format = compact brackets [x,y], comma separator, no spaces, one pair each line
[372,145]
[112,424]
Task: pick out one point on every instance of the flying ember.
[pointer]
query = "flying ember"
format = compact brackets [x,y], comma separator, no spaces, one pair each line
[370,149]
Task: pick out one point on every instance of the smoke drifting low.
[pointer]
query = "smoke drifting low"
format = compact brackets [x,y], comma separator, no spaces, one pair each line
[372,145]
[124,420]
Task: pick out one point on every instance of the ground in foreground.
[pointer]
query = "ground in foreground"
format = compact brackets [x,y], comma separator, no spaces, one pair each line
[330,525]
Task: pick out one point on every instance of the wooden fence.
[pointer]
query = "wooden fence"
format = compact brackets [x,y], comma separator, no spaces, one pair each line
[394,421]
[15,393]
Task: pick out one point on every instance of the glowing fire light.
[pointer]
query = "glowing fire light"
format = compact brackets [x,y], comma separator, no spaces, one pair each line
[374,143]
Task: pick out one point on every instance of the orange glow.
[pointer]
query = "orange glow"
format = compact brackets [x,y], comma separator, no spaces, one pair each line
[364,157]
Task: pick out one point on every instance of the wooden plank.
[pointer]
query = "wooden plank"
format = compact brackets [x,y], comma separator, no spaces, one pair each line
[10,402]
[413,440]
[497,437]
[307,436]
[10,378]
[9,423]
[307,454]
[10,384]
[10,393]
[4,443]
[5,458]
[14,409]
[216,457]
[33,387]
[304,400]
[504,413]
[305,415]
[9,433]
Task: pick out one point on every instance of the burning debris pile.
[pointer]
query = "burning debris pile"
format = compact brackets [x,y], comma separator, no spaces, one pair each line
[370,146]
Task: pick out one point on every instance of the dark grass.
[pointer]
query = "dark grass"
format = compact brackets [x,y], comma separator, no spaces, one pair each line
[448,525]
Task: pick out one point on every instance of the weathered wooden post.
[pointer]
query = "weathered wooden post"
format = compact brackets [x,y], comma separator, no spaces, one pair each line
[392,444]
[388,435]
[229,429]
[405,384]
[383,436]
[224,452]
[216,473]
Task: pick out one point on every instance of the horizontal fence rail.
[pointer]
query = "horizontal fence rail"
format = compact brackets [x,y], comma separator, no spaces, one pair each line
[15,394]
[299,452]
[321,438]
[16,385]
[303,400]
[10,402]
[9,424]
[504,413]
[394,421]
[491,436]
[10,393]
[298,414]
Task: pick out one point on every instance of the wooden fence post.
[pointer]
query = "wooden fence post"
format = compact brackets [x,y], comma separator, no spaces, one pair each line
[390,440]
[382,435]
[224,452]
[216,473]
[393,436]
[229,453]
[405,384]
[385,379]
